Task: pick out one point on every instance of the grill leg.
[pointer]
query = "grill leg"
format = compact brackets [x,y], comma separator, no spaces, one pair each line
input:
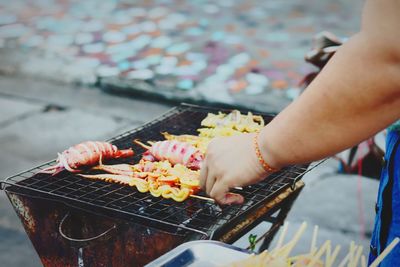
[278,221]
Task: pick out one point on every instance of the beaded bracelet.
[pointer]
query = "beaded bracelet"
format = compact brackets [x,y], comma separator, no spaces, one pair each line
[265,165]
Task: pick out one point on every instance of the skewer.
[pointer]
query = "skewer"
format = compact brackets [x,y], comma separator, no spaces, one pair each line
[344,261]
[296,238]
[328,254]
[136,141]
[282,236]
[387,250]
[357,256]
[333,256]
[314,240]
[320,252]
[351,254]
[363,261]
[203,198]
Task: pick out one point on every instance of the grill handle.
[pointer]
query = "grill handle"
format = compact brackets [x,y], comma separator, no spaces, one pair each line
[84,242]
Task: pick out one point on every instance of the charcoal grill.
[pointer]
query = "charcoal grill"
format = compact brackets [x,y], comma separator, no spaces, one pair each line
[73,221]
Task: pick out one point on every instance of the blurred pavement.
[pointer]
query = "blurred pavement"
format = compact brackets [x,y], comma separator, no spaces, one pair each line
[248,53]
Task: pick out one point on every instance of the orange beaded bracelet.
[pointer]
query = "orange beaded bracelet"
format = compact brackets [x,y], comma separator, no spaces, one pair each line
[265,165]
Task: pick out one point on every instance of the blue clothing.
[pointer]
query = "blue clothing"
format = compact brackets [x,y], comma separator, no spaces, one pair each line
[387,220]
[395,126]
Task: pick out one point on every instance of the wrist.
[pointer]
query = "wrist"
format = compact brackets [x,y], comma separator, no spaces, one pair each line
[260,156]
[267,150]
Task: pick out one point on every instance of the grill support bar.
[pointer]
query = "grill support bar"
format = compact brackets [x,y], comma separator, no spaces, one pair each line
[281,217]
[283,202]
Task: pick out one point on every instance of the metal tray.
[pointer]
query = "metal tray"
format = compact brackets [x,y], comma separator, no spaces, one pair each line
[203,253]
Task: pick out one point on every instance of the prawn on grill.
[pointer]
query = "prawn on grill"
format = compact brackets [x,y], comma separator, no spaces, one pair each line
[175,152]
[86,154]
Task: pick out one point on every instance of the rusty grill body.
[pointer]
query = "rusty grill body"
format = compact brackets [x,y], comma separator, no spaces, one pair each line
[73,221]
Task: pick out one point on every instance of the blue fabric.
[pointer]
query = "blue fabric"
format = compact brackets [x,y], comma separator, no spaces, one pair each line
[387,220]
[395,126]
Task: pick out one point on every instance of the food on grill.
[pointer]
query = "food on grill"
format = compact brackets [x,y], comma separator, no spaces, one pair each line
[162,171]
[118,169]
[199,142]
[86,154]
[139,170]
[159,178]
[189,149]
[217,132]
[143,186]
[235,120]
[175,152]
[221,124]
[179,153]
[167,191]
[168,168]
[317,257]
[140,184]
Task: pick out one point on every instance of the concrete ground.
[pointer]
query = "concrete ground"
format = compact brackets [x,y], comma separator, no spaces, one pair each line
[38,119]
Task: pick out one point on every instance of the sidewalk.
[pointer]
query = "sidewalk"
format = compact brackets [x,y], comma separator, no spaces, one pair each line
[248,53]
[60,115]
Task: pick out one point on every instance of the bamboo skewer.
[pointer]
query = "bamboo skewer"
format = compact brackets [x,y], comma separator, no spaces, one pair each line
[322,256]
[136,141]
[387,250]
[351,253]
[282,236]
[363,261]
[344,261]
[320,253]
[333,256]
[203,198]
[314,240]
[328,254]
[294,241]
[357,256]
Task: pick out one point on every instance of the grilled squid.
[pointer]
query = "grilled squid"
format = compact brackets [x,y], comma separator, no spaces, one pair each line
[175,152]
[86,154]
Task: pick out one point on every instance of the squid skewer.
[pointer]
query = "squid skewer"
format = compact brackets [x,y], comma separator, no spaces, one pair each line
[175,152]
[160,178]
[143,186]
[86,154]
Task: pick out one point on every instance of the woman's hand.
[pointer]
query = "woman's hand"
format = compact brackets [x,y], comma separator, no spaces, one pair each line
[230,162]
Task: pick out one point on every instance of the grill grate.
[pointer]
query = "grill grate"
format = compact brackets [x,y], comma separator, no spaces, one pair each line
[118,200]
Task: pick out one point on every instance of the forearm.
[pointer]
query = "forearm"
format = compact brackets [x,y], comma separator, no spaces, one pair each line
[356,95]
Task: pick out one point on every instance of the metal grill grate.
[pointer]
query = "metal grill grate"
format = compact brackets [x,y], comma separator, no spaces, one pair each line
[123,201]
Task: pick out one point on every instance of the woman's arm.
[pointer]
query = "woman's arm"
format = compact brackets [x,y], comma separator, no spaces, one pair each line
[356,95]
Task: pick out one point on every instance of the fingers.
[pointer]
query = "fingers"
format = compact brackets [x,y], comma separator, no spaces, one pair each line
[232,198]
[222,196]
[207,178]
[203,175]
[218,192]
[211,179]
[215,185]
